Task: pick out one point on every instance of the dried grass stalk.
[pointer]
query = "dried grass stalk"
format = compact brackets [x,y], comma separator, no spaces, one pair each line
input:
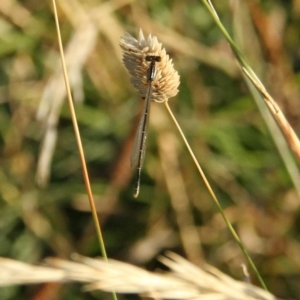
[289,133]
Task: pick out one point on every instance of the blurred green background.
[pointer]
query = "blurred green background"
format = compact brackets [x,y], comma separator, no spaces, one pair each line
[44,210]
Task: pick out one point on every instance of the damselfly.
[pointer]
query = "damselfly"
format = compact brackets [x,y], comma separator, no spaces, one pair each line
[139,148]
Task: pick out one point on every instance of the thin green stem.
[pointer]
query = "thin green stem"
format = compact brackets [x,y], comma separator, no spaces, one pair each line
[79,143]
[210,190]
[234,48]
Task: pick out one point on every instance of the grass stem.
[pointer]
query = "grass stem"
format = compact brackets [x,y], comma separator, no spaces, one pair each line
[79,144]
[211,192]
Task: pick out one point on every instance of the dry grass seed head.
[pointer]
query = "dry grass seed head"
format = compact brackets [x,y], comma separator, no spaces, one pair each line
[166,82]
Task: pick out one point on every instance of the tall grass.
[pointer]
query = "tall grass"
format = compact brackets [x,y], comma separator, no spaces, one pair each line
[216,112]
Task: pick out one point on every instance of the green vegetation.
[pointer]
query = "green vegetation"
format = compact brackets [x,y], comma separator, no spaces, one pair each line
[44,209]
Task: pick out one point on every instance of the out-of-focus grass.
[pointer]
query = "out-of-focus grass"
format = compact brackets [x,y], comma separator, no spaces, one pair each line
[214,108]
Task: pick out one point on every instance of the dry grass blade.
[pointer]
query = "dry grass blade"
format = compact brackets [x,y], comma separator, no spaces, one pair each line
[78,50]
[183,281]
[282,122]
[168,148]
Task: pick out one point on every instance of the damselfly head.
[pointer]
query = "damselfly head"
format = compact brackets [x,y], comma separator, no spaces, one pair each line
[152,58]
